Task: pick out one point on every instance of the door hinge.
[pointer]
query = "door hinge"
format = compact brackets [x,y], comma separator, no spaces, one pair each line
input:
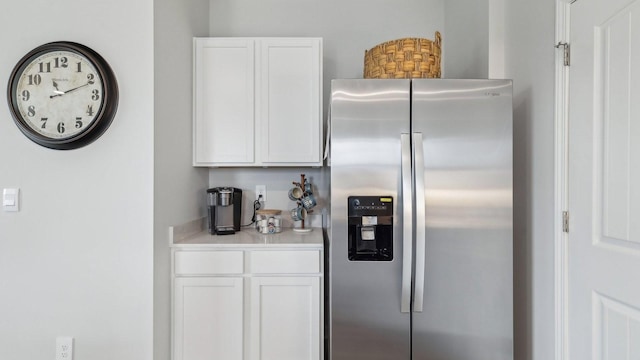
[567,52]
[565,221]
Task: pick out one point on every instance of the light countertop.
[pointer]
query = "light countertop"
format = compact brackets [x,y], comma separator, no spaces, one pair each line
[192,234]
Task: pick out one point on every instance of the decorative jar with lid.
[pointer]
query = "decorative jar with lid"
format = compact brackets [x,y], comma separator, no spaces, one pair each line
[268,221]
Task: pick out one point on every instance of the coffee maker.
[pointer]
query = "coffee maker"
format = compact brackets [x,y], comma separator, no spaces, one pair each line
[225,209]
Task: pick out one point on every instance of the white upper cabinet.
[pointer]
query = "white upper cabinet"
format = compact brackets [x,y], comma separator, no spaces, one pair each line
[290,108]
[257,102]
[224,101]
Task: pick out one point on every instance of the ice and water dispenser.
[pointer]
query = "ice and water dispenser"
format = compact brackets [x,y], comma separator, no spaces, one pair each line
[370,228]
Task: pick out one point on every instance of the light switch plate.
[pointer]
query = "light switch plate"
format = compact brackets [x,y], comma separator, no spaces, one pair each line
[11,199]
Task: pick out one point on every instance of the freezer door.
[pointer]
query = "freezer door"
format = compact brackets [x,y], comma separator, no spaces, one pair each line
[367,120]
[463,302]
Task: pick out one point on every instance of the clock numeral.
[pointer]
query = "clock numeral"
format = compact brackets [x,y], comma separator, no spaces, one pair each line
[61,128]
[79,68]
[61,62]
[44,122]
[90,110]
[31,111]
[96,95]
[26,95]
[35,79]
[45,67]
[78,122]
[90,79]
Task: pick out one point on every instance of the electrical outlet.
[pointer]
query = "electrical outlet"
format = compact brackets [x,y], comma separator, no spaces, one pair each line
[64,348]
[261,190]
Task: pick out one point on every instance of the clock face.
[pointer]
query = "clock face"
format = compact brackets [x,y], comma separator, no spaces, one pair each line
[62,95]
[59,94]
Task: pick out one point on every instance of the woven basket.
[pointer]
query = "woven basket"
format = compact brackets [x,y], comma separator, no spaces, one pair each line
[404,59]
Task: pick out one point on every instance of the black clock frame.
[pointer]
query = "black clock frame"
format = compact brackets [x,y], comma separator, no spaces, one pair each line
[107,110]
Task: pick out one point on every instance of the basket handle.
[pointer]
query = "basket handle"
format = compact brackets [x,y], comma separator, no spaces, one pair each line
[438,38]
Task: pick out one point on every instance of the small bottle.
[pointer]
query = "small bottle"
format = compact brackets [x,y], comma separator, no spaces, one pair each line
[268,221]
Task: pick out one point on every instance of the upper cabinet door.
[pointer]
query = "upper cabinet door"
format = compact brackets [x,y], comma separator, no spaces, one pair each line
[224,86]
[290,101]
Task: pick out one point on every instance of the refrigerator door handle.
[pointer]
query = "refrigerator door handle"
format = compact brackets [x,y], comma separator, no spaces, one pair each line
[418,158]
[407,223]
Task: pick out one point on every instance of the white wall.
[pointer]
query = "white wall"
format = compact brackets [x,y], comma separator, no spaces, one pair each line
[529,58]
[278,182]
[179,188]
[496,50]
[347,27]
[466,39]
[77,259]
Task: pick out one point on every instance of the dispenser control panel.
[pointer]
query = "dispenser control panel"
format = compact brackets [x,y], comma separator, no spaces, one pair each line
[370,228]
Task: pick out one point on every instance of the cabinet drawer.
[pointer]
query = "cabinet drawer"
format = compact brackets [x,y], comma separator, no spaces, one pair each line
[284,262]
[208,262]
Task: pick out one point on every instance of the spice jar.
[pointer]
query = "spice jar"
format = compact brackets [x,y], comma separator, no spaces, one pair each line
[268,221]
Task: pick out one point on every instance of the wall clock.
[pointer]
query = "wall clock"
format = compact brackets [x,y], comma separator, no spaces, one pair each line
[62,95]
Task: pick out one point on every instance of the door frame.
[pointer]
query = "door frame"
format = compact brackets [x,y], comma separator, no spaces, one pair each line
[561,203]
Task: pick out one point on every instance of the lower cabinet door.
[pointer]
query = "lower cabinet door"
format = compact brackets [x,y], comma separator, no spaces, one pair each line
[208,318]
[285,318]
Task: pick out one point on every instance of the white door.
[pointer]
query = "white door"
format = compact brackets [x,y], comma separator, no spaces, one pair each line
[224,86]
[208,318]
[285,318]
[604,180]
[290,105]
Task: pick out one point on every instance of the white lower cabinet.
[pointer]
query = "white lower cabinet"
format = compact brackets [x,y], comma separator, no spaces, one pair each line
[263,305]
[208,318]
[285,313]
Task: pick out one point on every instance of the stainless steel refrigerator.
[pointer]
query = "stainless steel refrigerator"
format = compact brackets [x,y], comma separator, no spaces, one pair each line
[420,241]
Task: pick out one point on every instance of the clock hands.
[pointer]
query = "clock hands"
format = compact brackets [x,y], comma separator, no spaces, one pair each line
[57,91]
[60,93]
[76,88]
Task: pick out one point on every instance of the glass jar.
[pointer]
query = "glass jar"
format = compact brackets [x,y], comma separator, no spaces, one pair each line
[268,221]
